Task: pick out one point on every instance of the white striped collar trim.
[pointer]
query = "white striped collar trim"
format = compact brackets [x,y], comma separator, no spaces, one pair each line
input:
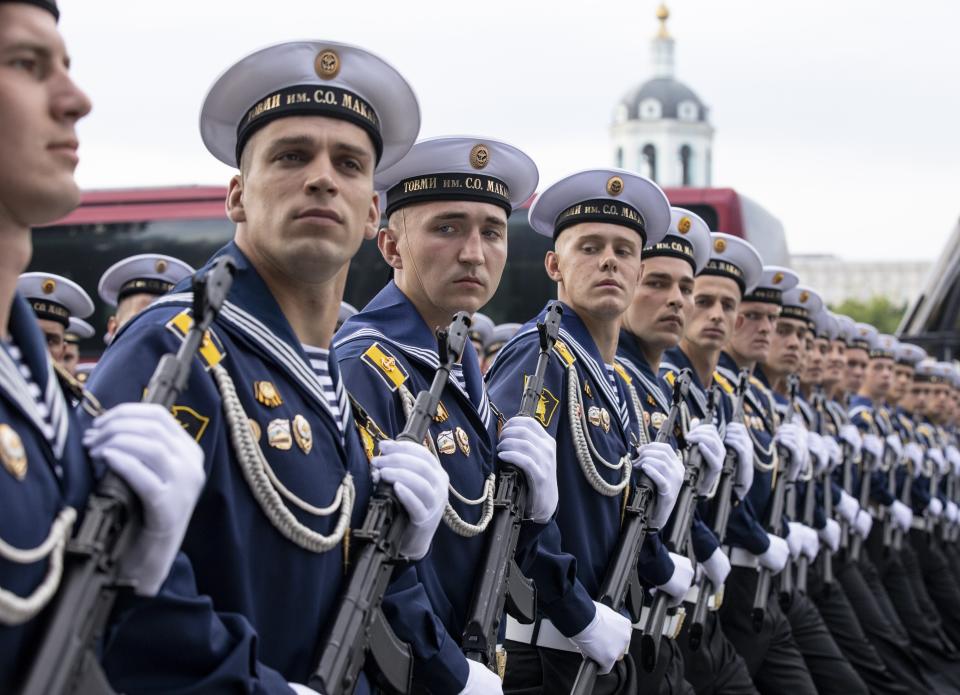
[651,388]
[17,389]
[599,374]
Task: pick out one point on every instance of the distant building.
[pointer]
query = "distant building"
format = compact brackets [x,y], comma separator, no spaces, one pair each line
[661,128]
[837,279]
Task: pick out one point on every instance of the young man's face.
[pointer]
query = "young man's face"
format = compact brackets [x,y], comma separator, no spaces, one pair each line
[663,297]
[920,397]
[39,109]
[816,359]
[879,377]
[128,307]
[597,267]
[55,334]
[753,330]
[835,364]
[902,379]
[939,394]
[788,346]
[713,314]
[304,200]
[857,359]
[447,255]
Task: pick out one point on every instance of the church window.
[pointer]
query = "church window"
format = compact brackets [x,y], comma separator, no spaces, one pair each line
[648,162]
[650,108]
[687,111]
[686,165]
[619,158]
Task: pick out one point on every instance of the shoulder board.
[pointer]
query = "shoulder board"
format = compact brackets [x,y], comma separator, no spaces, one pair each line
[618,368]
[670,377]
[561,349]
[385,365]
[211,350]
[723,381]
[756,382]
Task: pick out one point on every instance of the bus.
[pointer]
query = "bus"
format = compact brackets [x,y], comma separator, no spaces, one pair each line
[190,223]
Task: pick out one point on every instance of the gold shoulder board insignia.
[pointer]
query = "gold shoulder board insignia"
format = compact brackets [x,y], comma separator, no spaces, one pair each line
[546,406]
[724,383]
[670,377]
[211,349]
[193,422]
[385,365]
[561,349]
[618,368]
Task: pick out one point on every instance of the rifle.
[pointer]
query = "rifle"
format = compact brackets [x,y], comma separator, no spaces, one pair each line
[775,520]
[826,557]
[621,583]
[501,579]
[867,464]
[66,661]
[359,626]
[810,500]
[720,516]
[677,540]
[846,479]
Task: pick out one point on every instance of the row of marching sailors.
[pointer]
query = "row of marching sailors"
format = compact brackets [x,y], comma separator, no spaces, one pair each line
[250,490]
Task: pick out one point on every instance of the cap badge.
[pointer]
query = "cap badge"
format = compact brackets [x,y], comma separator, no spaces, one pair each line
[302,433]
[160,266]
[683,226]
[327,64]
[278,434]
[445,443]
[267,394]
[614,185]
[719,245]
[479,156]
[777,278]
[804,296]
[48,286]
[463,441]
[12,453]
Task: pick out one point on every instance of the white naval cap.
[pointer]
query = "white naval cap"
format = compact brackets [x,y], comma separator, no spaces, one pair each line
[774,281]
[481,328]
[863,336]
[77,330]
[460,167]
[502,332]
[310,78]
[688,238]
[826,325]
[948,371]
[910,354]
[54,297]
[801,303]
[884,345]
[83,371]
[346,311]
[928,370]
[615,196]
[848,329]
[734,258]
[145,273]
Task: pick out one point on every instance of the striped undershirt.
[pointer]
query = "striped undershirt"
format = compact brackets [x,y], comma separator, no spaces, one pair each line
[35,393]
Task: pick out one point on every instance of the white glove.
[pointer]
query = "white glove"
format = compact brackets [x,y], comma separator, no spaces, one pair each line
[300,689]
[793,438]
[902,515]
[848,506]
[738,439]
[529,447]
[143,444]
[775,557]
[851,435]
[819,456]
[481,680]
[914,453]
[810,542]
[936,455]
[795,539]
[661,463]
[863,523]
[420,484]
[712,451]
[830,535]
[834,452]
[935,507]
[873,445]
[893,441]
[605,639]
[952,512]
[716,567]
[953,458]
[679,583]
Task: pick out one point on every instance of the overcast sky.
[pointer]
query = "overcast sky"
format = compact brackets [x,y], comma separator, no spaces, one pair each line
[841,118]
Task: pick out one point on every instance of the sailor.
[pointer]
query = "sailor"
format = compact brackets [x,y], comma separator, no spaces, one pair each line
[652,324]
[481,331]
[306,123]
[129,285]
[446,237]
[599,221]
[77,330]
[55,300]
[45,474]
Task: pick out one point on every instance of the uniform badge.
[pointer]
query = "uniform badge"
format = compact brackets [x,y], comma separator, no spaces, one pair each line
[658,419]
[719,245]
[255,429]
[193,422]
[302,433]
[463,441]
[278,434]
[327,64]
[777,278]
[605,420]
[614,186]
[266,393]
[12,453]
[160,266]
[586,389]
[369,445]
[445,442]
[479,156]
[683,226]
[48,286]
[646,419]
[593,416]
[442,414]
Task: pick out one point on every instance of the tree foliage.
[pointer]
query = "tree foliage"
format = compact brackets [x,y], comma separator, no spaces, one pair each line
[879,312]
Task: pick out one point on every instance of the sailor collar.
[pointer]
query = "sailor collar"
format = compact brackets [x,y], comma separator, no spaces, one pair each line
[392,318]
[253,313]
[675,360]
[633,359]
